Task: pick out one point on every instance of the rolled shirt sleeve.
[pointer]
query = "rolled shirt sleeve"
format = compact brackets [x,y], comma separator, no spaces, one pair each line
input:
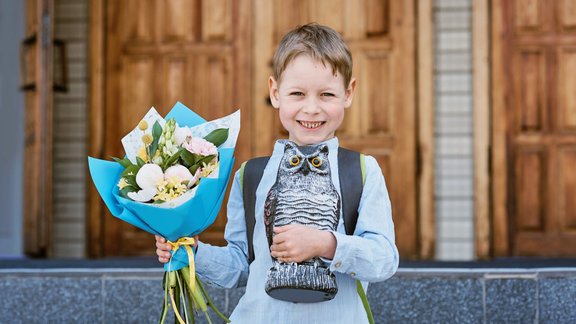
[370,254]
[227,266]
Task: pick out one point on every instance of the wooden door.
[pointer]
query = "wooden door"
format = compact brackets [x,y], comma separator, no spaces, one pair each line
[157,53]
[37,84]
[534,118]
[382,119]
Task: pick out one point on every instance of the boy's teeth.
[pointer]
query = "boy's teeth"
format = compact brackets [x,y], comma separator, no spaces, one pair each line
[311,124]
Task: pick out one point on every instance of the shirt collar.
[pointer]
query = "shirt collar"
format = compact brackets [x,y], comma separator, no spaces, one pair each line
[280,144]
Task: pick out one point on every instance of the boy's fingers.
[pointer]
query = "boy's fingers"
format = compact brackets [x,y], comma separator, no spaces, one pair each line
[281,229]
[162,254]
[163,246]
[278,238]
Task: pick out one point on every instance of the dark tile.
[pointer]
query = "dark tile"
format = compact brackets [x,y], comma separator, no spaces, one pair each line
[427,300]
[557,300]
[132,300]
[511,300]
[32,299]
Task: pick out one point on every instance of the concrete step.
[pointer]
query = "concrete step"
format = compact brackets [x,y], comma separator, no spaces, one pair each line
[413,295]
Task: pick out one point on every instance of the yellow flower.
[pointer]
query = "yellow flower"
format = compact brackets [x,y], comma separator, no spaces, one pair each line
[147,139]
[122,183]
[208,169]
[143,125]
[143,154]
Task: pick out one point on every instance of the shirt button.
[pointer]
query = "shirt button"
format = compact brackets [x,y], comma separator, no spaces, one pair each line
[338,264]
[352,274]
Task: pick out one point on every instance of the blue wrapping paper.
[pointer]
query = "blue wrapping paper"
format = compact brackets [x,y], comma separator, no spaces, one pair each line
[188,219]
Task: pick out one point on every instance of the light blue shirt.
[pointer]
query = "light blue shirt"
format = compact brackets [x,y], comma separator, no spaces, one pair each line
[370,255]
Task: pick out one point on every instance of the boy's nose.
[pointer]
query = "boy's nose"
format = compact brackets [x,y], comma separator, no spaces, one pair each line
[311,106]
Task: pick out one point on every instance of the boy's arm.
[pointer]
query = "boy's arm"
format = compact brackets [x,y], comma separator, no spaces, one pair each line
[227,266]
[370,254]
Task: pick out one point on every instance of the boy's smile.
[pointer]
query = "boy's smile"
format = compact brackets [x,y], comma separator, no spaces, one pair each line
[311,100]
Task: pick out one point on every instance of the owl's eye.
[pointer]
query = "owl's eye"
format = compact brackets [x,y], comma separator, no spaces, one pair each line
[295,160]
[316,161]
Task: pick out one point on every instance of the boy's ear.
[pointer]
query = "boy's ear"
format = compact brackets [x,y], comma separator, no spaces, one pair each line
[273,89]
[350,93]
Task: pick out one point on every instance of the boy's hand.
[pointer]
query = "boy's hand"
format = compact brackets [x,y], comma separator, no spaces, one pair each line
[163,248]
[297,243]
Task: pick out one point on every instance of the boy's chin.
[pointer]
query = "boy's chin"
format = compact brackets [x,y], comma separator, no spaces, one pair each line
[312,140]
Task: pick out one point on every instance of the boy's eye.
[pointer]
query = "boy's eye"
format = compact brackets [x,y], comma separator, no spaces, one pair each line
[328,94]
[296,93]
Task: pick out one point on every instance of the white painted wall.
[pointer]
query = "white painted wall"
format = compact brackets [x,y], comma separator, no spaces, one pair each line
[70,133]
[11,128]
[454,138]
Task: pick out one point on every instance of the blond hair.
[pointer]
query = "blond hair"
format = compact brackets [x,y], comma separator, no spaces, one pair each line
[322,43]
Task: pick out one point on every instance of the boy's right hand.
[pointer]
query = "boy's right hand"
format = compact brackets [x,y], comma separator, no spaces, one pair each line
[162,249]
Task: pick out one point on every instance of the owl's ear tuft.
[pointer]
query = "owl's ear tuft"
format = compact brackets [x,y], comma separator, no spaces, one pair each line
[289,145]
[323,149]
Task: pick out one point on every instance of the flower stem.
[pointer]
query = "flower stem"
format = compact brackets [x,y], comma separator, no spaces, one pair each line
[210,302]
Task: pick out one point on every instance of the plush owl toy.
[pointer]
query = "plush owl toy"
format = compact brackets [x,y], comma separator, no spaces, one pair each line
[302,194]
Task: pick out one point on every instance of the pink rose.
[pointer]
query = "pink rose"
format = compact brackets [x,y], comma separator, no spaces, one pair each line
[200,146]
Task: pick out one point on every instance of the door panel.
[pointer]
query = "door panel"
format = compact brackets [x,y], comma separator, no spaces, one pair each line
[37,52]
[534,132]
[158,53]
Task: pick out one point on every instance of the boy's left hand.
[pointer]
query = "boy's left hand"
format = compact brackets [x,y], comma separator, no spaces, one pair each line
[297,243]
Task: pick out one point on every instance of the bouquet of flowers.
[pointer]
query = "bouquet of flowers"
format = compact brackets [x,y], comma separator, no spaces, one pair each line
[171,183]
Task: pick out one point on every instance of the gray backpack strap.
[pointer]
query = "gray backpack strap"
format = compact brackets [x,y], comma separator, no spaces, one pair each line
[250,175]
[350,173]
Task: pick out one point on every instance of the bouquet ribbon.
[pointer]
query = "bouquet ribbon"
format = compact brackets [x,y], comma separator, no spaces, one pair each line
[186,242]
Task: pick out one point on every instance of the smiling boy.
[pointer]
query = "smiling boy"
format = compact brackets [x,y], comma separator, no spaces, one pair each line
[311,87]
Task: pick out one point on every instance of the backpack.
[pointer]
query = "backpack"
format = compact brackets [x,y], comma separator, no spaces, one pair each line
[352,180]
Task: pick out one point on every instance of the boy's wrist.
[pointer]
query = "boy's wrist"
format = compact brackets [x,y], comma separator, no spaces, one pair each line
[327,245]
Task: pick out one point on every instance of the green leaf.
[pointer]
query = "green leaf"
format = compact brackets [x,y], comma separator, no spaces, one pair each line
[123,162]
[124,192]
[193,169]
[156,133]
[188,158]
[139,161]
[217,136]
[171,160]
[131,180]
[205,160]
[130,169]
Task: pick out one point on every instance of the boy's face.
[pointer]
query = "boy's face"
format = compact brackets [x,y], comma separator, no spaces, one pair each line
[311,100]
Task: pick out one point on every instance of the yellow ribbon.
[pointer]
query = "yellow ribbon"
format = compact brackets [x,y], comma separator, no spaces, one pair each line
[186,242]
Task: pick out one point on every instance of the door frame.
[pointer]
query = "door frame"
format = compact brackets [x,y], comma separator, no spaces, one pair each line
[96,127]
[425,124]
[424,43]
[482,108]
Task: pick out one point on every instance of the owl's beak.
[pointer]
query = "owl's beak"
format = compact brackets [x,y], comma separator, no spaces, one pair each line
[305,168]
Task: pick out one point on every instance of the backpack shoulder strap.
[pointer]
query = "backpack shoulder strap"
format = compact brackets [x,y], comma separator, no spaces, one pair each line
[351,173]
[250,174]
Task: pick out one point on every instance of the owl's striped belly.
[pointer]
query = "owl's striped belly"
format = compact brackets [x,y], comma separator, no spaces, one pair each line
[318,210]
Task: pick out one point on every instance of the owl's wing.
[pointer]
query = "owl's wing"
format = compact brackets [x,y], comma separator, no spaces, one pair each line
[270,212]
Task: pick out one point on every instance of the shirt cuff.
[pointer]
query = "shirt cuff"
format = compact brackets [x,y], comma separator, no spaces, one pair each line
[341,261]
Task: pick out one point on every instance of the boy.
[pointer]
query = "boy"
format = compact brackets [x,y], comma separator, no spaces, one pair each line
[311,87]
